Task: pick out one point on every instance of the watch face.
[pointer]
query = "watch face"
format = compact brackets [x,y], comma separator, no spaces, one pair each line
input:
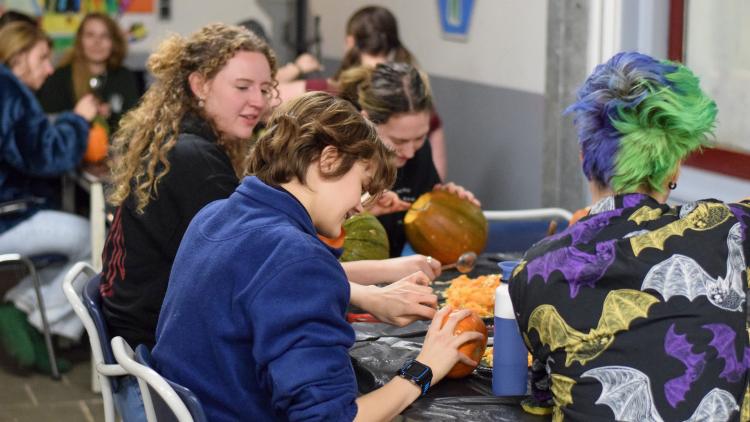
[416,370]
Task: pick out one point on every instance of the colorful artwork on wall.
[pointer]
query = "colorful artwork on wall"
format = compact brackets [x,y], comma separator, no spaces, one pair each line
[60,18]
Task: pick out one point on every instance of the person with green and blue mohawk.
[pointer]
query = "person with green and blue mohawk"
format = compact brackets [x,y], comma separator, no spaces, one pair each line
[638,311]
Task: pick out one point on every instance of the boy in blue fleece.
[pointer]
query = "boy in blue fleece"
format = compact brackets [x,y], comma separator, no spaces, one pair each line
[254,317]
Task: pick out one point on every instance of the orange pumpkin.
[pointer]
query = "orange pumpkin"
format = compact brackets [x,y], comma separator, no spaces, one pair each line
[337,243]
[98,144]
[442,225]
[473,349]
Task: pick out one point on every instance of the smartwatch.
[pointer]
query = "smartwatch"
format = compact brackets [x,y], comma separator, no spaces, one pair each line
[418,373]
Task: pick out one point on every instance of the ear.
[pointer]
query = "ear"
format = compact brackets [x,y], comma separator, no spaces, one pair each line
[17,62]
[198,85]
[329,159]
[676,175]
[349,42]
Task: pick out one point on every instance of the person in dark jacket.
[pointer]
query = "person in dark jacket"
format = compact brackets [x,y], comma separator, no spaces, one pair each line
[397,98]
[94,65]
[34,149]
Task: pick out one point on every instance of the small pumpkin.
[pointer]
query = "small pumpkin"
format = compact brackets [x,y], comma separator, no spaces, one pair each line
[472,349]
[96,150]
[442,225]
[337,243]
[365,239]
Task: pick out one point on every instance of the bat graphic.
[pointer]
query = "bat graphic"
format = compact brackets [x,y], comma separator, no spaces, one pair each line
[561,389]
[742,212]
[585,230]
[680,275]
[705,216]
[645,213]
[578,267]
[606,204]
[627,392]
[687,209]
[620,308]
[561,395]
[723,342]
[677,346]
[630,201]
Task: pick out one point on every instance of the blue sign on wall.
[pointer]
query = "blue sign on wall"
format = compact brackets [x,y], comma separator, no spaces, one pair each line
[455,17]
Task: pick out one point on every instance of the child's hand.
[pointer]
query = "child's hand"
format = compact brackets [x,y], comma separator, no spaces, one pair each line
[440,349]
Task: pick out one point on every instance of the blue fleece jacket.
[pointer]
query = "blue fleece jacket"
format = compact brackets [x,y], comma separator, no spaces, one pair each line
[254,317]
[31,147]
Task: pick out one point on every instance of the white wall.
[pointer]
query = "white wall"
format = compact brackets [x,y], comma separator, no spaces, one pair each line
[717,51]
[505,48]
[189,16]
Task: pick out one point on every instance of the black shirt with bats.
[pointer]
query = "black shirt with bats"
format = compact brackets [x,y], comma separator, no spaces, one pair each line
[638,311]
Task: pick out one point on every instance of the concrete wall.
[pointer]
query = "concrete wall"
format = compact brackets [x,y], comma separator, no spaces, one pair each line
[489,89]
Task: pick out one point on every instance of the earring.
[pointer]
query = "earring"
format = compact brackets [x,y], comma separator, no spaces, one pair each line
[201,103]
[672,185]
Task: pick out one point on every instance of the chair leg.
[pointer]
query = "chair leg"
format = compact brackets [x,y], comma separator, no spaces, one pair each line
[45,324]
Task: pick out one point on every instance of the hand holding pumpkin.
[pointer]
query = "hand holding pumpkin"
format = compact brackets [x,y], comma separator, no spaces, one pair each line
[441,347]
[458,190]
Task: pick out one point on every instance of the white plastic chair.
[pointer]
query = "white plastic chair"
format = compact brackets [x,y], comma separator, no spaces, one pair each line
[147,377]
[104,368]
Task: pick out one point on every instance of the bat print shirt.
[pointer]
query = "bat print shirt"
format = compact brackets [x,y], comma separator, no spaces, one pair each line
[638,312]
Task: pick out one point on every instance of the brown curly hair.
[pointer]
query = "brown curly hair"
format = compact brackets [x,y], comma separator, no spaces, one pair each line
[300,129]
[148,132]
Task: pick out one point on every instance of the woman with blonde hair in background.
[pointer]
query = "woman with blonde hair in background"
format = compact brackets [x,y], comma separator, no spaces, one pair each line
[33,151]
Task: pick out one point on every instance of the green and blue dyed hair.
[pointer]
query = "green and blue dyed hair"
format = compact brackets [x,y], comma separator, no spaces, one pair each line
[637,118]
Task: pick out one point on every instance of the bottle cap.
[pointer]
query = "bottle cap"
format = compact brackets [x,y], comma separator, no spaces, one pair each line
[507,268]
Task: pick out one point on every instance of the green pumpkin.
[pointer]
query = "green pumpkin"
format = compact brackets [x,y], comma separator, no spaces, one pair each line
[365,239]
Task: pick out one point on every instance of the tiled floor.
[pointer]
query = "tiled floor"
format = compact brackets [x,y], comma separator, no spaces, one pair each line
[31,397]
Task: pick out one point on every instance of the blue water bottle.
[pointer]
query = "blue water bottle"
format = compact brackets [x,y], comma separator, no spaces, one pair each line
[510,362]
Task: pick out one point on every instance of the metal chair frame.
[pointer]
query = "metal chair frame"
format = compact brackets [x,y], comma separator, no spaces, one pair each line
[15,258]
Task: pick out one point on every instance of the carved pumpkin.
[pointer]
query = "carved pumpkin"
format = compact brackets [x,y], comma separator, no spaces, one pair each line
[473,349]
[365,239]
[442,225]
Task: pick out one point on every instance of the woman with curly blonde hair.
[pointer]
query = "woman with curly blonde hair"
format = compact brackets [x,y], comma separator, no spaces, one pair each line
[175,152]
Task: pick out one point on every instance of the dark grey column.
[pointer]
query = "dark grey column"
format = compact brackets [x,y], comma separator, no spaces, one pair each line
[563,183]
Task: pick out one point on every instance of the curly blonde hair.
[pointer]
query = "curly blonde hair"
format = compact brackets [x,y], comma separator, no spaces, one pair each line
[148,132]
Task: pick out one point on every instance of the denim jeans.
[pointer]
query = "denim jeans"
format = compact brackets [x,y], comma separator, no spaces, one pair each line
[49,232]
[128,400]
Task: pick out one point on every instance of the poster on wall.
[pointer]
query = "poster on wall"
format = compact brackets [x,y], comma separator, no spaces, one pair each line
[60,18]
[455,18]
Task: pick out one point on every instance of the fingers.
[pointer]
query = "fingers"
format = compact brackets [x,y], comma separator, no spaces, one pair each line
[424,312]
[434,265]
[454,318]
[438,319]
[460,191]
[418,278]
